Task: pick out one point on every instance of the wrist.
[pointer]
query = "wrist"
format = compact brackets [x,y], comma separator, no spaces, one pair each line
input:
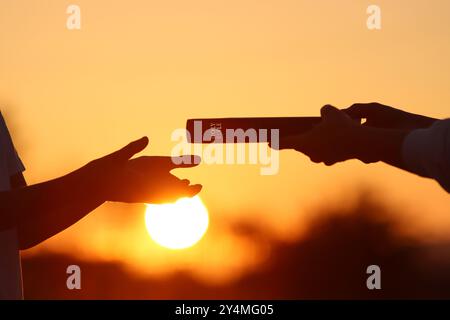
[377,144]
[423,121]
[91,180]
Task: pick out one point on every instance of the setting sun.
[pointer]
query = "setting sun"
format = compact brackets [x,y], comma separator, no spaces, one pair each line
[177,225]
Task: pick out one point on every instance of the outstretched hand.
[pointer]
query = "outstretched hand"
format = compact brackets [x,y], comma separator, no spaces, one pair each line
[145,179]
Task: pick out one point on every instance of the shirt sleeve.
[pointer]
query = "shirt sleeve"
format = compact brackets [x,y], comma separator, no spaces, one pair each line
[426,152]
[13,162]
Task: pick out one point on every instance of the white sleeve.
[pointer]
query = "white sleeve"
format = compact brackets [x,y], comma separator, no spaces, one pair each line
[426,152]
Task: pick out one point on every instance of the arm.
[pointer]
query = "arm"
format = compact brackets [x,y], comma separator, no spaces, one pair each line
[385,136]
[426,152]
[378,144]
[42,210]
[338,138]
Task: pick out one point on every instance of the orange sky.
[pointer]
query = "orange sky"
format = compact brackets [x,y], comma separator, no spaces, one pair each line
[143,67]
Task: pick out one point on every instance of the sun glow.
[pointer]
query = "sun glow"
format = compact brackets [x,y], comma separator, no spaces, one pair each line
[177,225]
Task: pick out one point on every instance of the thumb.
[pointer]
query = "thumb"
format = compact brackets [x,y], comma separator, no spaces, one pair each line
[330,113]
[130,149]
[364,110]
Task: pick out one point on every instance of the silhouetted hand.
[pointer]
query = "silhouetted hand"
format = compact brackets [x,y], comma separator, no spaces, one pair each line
[143,179]
[381,116]
[334,139]
[338,137]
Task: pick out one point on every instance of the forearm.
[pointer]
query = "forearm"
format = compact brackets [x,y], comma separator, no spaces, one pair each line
[376,144]
[426,152]
[42,210]
[419,121]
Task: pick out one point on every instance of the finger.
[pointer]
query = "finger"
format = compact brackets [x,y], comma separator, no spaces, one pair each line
[315,159]
[186,181]
[130,150]
[175,185]
[328,112]
[188,191]
[178,191]
[288,142]
[184,161]
[361,110]
[329,162]
[164,163]
[327,109]
[194,190]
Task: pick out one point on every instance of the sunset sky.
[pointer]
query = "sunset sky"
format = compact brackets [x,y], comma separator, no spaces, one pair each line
[143,67]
